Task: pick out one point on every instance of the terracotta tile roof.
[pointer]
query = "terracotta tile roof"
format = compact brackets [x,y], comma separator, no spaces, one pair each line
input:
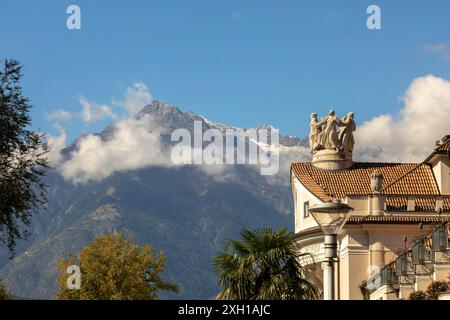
[445,145]
[396,203]
[396,219]
[446,205]
[399,179]
[418,181]
[442,148]
[425,204]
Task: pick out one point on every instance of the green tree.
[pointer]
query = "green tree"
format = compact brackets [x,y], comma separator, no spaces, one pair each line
[417,295]
[264,266]
[114,268]
[22,158]
[4,294]
[435,288]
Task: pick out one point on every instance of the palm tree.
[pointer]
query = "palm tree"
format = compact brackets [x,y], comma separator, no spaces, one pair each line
[264,266]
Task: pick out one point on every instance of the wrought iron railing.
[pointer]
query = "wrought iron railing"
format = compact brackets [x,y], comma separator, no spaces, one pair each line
[388,275]
[424,250]
[402,264]
[440,238]
[421,253]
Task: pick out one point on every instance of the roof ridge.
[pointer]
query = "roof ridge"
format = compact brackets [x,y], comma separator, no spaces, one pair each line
[445,143]
[322,189]
[382,163]
[403,176]
[413,178]
[442,147]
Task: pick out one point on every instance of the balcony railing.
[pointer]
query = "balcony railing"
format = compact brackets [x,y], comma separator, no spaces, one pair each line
[418,258]
[388,275]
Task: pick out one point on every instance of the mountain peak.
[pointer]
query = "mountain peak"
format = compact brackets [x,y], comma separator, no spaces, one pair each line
[158,107]
[266,126]
[171,117]
[168,115]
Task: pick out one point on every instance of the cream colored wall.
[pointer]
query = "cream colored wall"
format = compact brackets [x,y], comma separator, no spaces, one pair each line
[363,249]
[356,241]
[444,296]
[312,244]
[441,170]
[354,261]
[437,170]
[384,293]
[344,285]
[301,195]
[391,237]
[367,248]
[359,204]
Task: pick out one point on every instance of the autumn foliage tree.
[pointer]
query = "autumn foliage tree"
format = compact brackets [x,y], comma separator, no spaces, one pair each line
[114,268]
[4,294]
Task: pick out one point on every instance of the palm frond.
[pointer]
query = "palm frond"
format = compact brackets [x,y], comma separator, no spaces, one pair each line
[264,265]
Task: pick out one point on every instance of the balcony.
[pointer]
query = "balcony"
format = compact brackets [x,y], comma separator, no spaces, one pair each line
[414,268]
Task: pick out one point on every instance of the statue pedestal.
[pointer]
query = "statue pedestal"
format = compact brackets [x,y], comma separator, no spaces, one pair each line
[332,160]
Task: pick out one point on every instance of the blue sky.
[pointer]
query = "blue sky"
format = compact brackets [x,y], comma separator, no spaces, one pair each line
[238,62]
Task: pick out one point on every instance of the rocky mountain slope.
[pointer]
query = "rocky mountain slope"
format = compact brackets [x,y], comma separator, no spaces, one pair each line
[186,211]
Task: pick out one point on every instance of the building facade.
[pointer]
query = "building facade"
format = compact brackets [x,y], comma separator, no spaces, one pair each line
[390,200]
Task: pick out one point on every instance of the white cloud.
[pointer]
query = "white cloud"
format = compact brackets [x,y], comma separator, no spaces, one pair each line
[93,112]
[59,115]
[57,143]
[134,144]
[288,155]
[424,119]
[136,98]
[439,48]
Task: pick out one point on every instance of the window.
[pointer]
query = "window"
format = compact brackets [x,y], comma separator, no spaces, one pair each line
[305,209]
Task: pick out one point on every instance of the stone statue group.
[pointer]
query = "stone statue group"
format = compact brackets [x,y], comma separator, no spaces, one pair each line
[332,133]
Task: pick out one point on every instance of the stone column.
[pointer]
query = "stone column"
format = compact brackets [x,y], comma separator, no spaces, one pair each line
[421,282]
[377,202]
[411,204]
[377,254]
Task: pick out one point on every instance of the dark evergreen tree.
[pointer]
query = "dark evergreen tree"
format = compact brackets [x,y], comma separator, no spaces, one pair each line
[23,159]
